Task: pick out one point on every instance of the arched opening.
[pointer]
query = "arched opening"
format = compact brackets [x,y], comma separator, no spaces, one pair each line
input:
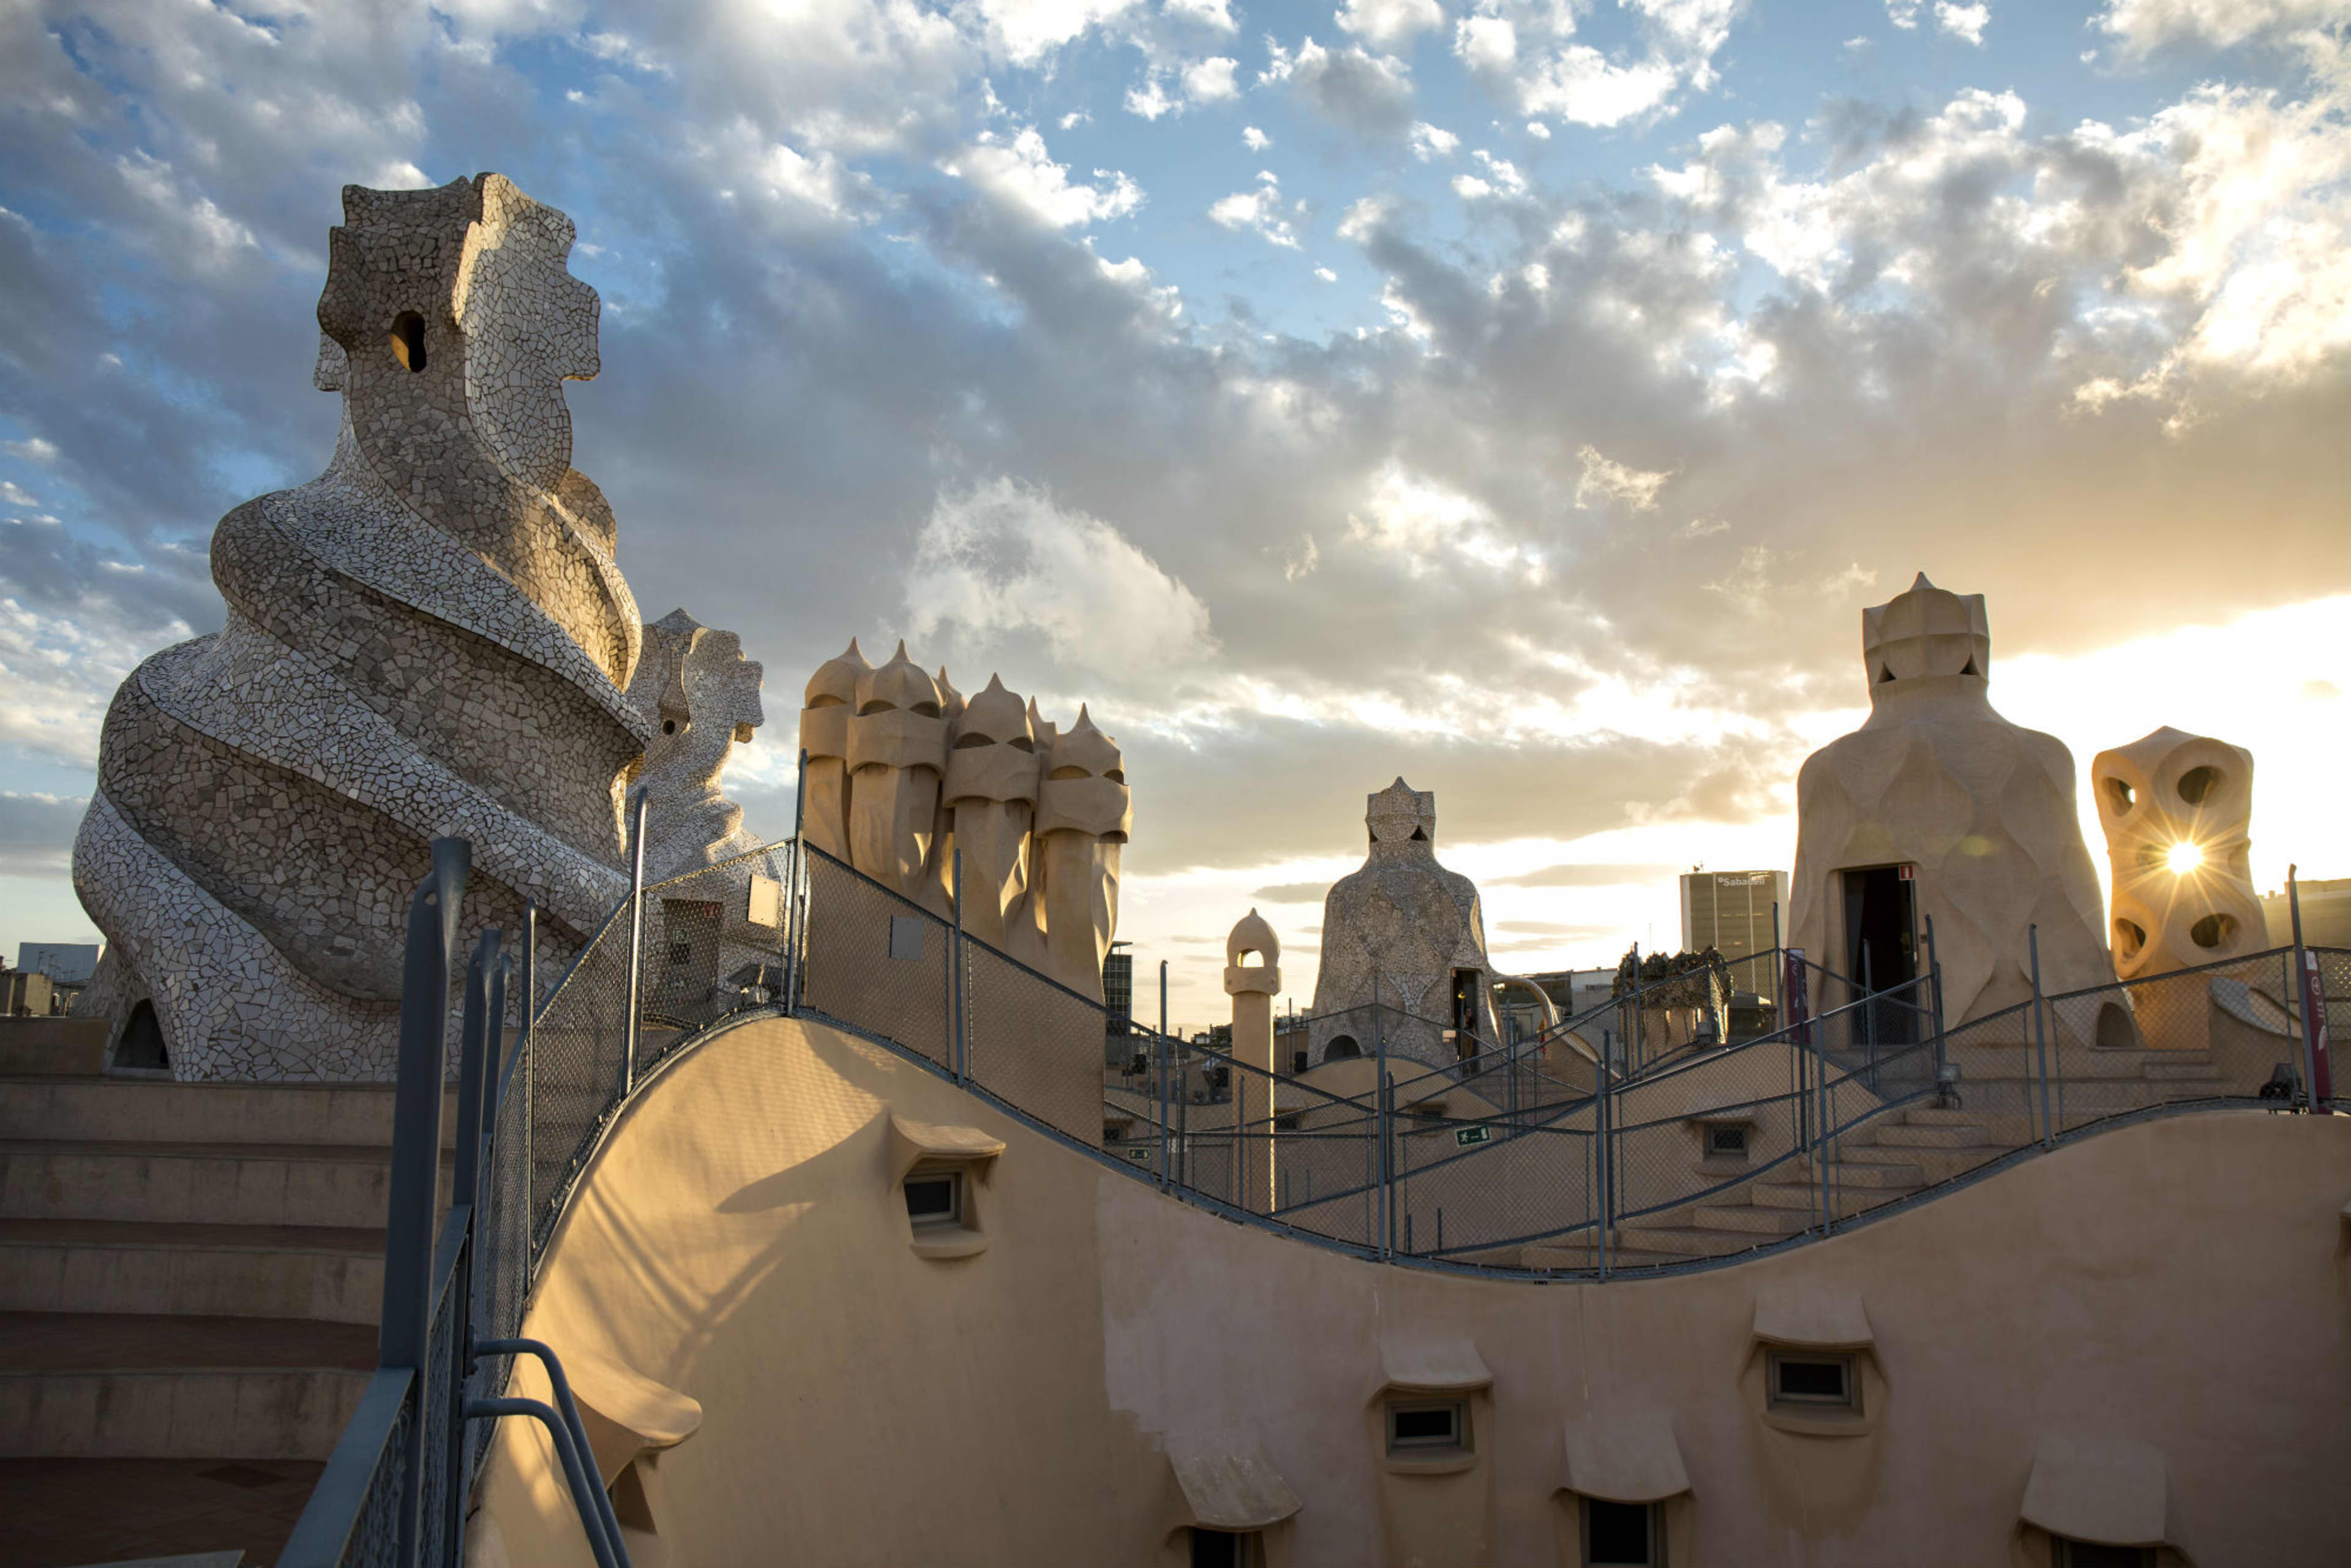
[142,1040]
[2116,1030]
[2120,796]
[2212,931]
[2130,937]
[408,340]
[2198,783]
[1342,1048]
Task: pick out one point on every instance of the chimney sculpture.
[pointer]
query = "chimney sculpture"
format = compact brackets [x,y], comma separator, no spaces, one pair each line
[430,638]
[1252,986]
[1083,814]
[825,735]
[1938,808]
[897,759]
[2177,809]
[904,772]
[701,698]
[991,796]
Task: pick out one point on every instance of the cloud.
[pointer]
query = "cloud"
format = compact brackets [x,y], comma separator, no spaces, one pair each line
[1370,94]
[1574,875]
[1029,30]
[1253,139]
[1429,142]
[1021,174]
[37,832]
[1526,55]
[1385,24]
[1293,892]
[1965,23]
[1000,560]
[1210,80]
[1260,210]
[1903,14]
[2144,27]
[1606,481]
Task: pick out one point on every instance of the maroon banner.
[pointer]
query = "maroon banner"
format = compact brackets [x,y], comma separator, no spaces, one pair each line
[1794,990]
[2314,1030]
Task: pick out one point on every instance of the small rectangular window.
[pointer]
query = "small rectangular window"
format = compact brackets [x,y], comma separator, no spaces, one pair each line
[1813,1381]
[1618,1533]
[1226,1548]
[1421,1425]
[2092,1554]
[934,1199]
[1731,1140]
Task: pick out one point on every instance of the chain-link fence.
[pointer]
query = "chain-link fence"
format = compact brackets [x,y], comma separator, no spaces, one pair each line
[1696,1116]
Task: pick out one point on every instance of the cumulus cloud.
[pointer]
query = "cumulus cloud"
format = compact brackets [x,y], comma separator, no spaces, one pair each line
[1429,142]
[1526,54]
[1260,210]
[1965,23]
[999,560]
[1605,481]
[1253,139]
[2143,26]
[1368,93]
[1021,175]
[1385,24]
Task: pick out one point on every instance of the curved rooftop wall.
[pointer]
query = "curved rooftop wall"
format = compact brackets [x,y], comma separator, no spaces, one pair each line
[1086,1367]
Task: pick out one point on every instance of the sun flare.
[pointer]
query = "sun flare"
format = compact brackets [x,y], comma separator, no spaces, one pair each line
[2184,858]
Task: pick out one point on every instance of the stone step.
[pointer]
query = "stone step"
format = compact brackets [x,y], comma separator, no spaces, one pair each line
[1750,1217]
[1868,1173]
[214,1184]
[1844,1201]
[133,1110]
[206,1270]
[2182,1072]
[94,1386]
[1955,1137]
[1930,1116]
[1639,1244]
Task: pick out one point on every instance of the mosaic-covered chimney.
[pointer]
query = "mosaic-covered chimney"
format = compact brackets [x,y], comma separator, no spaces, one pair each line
[430,638]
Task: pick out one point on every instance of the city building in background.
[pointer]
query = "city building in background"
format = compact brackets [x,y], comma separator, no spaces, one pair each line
[2325,914]
[1118,1003]
[1732,912]
[65,963]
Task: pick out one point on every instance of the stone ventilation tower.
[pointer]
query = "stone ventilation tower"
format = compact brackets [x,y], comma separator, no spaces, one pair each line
[2178,811]
[1938,808]
[701,697]
[1407,933]
[429,638]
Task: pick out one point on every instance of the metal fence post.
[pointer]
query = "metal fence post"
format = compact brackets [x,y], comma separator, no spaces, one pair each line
[954,975]
[1603,1161]
[2040,1038]
[464,1195]
[2317,1073]
[1380,1097]
[795,921]
[1935,972]
[403,1340]
[527,1087]
[636,938]
[1160,1054]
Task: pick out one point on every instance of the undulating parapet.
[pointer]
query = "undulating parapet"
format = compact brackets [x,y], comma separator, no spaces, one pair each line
[903,772]
[430,638]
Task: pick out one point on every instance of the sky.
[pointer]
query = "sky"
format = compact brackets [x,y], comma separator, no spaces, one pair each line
[1522,396]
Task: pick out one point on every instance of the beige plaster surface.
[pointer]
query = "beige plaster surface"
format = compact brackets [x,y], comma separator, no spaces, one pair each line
[740,1239]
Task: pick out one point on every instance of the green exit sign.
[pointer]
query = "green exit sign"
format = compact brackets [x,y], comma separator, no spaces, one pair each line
[1465,1136]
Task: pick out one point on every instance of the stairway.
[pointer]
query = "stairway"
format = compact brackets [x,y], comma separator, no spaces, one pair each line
[189,1272]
